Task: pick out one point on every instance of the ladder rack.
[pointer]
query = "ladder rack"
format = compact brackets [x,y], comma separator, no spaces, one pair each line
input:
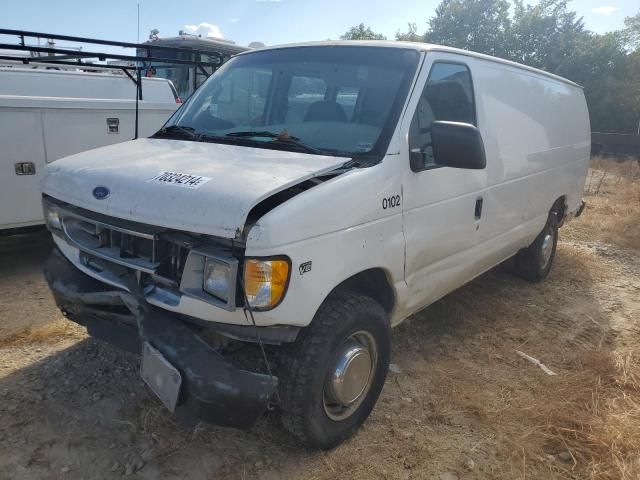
[77,57]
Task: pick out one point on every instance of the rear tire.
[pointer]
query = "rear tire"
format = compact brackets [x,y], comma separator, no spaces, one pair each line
[534,262]
[320,411]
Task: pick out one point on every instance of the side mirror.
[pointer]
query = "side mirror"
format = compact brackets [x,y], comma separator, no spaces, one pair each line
[457,145]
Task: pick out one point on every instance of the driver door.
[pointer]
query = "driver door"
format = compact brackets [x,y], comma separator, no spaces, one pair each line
[443,206]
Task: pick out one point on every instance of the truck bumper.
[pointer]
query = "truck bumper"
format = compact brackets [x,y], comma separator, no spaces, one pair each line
[213,389]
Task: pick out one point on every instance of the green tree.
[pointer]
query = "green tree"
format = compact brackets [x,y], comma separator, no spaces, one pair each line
[602,66]
[360,32]
[549,36]
[478,25]
[544,35]
[632,31]
[411,35]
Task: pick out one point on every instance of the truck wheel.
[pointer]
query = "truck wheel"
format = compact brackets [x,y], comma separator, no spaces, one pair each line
[534,262]
[332,375]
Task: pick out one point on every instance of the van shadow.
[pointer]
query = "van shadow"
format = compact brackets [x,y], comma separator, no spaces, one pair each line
[565,311]
[83,412]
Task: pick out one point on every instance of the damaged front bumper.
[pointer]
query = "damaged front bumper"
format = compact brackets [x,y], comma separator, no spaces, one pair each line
[213,389]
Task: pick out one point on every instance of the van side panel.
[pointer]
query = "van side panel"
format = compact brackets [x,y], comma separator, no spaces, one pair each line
[536,134]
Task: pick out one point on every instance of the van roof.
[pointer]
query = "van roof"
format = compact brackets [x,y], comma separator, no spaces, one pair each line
[424,47]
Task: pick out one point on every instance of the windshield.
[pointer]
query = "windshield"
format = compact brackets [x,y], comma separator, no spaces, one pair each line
[338,100]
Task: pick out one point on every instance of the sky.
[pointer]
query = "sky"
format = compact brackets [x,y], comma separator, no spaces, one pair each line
[243,21]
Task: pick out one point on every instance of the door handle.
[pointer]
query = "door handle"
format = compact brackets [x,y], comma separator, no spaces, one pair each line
[478,210]
[25,168]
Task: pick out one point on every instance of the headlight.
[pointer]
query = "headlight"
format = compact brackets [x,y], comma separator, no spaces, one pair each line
[51,216]
[217,279]
[265,282]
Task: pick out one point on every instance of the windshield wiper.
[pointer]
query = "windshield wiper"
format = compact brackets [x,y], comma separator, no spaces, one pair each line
[178,129]
[260,133]
[282,138]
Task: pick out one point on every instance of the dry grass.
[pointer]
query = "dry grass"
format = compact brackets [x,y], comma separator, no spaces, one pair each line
[612,215]
[592,415]
[55,331]
[598,420]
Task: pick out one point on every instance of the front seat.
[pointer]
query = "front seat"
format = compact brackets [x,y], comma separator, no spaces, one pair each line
[325,111]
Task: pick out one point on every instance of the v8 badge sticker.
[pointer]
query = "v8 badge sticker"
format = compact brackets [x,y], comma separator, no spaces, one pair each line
[305,267]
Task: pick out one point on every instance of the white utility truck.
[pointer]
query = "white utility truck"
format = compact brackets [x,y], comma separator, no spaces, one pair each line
[49,114]
[259,247]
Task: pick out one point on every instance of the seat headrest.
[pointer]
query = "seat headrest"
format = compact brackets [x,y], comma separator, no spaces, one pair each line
[449,102]
[325,111]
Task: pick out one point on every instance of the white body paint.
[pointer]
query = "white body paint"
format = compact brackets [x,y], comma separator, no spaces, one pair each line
[46,115]
[535,129]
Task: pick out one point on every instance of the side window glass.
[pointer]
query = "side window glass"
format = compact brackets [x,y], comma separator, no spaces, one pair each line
[447,95]
[303,92]
[242,96]
[225,93]
[259,91]
[347,97]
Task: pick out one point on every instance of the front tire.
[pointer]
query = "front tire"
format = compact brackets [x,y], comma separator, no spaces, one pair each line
[332,376]
[534,262]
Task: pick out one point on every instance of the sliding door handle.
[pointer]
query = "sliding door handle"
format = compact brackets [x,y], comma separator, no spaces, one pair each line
[478,210]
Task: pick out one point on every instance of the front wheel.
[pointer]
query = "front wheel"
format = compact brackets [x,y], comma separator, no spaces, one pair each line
[534,262]
[332,375]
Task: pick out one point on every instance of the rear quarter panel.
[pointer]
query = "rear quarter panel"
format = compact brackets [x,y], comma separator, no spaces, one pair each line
[537,139]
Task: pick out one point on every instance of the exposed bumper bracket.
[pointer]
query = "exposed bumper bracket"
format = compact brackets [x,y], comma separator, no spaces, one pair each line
[214,390]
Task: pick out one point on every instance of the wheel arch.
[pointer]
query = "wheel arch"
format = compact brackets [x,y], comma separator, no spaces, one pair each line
[560,208]
[374,283]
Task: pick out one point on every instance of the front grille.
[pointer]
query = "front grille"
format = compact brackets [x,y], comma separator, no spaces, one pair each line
[147,251]
[173,265]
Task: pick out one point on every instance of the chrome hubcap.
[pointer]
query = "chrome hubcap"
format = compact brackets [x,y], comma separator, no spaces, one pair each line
[547,248]
[350,376]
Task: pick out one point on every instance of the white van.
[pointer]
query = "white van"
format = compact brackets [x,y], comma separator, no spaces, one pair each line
[306,199]
[49,114]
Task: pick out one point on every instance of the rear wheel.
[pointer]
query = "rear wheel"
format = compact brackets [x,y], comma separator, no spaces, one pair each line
[534,262]
[332,375]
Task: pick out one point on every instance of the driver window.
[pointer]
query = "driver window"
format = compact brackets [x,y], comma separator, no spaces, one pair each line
[448,95]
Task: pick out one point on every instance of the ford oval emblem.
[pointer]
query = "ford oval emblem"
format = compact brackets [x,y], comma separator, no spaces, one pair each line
[101,193]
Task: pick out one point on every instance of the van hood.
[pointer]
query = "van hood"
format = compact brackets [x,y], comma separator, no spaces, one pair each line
[198,187]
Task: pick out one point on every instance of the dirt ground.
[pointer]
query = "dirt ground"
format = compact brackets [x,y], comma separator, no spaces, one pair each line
[462,403]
